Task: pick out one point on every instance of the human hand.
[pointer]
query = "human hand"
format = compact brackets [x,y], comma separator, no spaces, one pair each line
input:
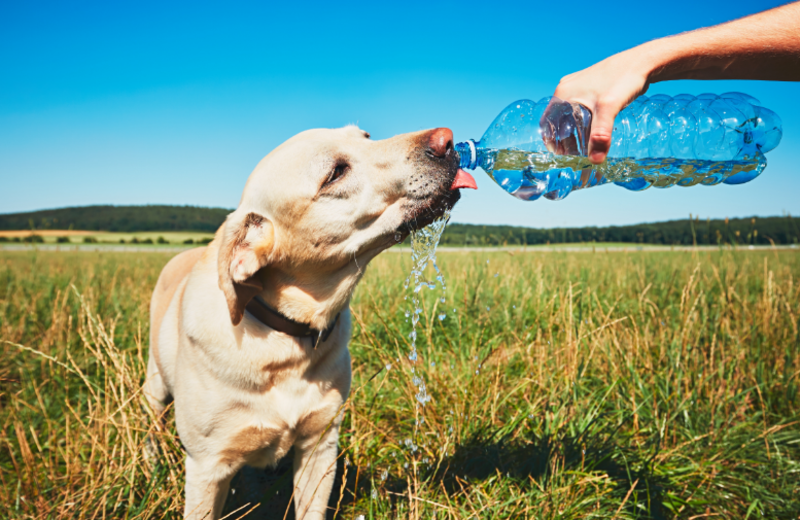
[606,88]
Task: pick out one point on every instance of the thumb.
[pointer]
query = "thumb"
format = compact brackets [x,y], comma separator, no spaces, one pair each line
[602,127]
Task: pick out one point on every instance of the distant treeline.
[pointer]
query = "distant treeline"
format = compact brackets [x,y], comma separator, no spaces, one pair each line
[119,218]
[754,230]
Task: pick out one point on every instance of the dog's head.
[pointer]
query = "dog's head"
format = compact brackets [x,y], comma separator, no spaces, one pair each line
[322,205]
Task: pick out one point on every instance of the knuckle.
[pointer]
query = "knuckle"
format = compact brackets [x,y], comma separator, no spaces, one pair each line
[601,136]
[607,103]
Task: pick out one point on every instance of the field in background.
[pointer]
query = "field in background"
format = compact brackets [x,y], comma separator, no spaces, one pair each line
[605,385]
[178,238]
[51,236]
[764,231]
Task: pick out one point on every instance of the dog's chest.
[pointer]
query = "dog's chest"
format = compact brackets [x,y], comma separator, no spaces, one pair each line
[263,427]
[257,445]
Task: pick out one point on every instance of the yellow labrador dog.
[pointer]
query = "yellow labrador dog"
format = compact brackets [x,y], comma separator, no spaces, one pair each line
[249,335]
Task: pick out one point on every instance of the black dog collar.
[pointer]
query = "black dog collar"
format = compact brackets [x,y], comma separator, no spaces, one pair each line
[275,320]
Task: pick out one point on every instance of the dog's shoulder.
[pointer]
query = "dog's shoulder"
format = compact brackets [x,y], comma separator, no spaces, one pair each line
[176,270]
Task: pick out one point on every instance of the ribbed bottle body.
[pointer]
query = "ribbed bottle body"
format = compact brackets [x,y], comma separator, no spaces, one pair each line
[535,149]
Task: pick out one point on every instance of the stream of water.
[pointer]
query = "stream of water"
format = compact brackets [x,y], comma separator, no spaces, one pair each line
[423,253]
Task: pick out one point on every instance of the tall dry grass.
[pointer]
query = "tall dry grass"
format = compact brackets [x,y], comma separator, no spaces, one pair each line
[608,385]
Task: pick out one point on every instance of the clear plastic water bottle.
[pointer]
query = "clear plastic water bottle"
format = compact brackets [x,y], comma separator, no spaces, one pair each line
[539,148]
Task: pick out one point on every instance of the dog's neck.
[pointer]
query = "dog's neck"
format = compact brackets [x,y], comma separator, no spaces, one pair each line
[314,299]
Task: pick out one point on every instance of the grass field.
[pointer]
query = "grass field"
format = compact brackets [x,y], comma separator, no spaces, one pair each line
[588,385]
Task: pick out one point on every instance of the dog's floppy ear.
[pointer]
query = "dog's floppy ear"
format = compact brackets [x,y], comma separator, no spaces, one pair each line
[247,245]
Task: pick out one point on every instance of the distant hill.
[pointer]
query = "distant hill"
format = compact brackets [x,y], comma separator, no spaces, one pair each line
[119,218]
[753,230]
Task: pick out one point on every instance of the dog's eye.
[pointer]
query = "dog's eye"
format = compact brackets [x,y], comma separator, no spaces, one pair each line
[337,173]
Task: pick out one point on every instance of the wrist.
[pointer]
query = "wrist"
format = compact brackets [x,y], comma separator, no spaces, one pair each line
[654,59]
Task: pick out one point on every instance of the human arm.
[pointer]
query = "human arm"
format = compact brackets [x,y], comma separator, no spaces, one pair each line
[762,46]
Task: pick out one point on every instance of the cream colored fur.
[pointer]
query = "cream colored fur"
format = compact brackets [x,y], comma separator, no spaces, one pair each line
[243,392]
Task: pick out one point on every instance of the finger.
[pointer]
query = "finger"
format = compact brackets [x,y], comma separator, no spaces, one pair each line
[602,128]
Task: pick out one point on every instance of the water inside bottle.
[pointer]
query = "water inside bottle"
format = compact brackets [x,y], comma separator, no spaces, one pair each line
[528,175]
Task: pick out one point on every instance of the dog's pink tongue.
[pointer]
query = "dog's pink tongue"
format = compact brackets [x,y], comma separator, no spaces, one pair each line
[463,180]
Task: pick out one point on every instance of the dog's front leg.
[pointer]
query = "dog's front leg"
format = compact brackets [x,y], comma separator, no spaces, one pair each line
[314,471]
[206,490]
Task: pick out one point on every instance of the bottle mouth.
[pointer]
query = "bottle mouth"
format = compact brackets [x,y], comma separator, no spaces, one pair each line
[468,154]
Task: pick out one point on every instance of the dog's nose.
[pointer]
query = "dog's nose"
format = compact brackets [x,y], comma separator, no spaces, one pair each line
[440,142]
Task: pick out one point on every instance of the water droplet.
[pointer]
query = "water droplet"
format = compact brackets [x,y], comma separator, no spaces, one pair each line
[488,309]
[496,275]
[433,364]
[514,306]
[388,366]
[442,316]
[442,299]
[374,495]
[398,237]
[385,473]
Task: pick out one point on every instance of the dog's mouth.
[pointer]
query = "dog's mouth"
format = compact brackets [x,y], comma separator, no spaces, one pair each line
[426,211]
[430,194]
[422,212]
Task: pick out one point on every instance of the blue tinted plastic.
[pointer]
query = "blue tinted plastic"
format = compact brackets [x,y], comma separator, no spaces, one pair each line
[534,149]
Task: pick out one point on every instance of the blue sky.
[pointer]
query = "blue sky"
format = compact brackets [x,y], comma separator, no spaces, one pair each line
[175,103]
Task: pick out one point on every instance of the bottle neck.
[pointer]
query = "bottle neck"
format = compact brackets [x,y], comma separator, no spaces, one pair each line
[468,152]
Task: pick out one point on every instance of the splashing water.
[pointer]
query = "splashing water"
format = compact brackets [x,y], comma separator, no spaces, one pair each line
[423,252]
